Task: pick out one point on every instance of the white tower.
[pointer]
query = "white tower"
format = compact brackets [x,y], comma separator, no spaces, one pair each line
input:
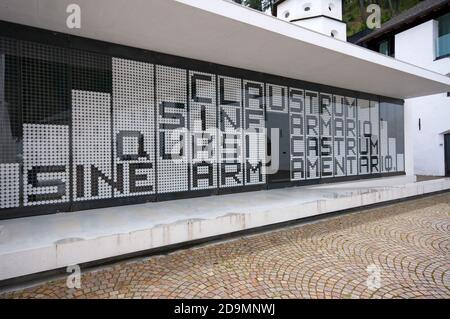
[324,16]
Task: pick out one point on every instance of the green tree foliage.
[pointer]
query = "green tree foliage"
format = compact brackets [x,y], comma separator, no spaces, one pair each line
[260,5]
[354,11]
[255,4]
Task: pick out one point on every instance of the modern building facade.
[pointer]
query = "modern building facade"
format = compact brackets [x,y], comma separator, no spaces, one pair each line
[421,36]
[90,123]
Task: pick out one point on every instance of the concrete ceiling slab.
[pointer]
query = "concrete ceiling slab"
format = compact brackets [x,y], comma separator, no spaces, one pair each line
[223,32]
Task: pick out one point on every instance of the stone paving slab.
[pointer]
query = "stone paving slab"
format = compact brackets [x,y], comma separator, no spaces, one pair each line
[409,242]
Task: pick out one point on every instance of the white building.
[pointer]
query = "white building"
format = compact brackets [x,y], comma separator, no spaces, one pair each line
[324,16]
[421,36]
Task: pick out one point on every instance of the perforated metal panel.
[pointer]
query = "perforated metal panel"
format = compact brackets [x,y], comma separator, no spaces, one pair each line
[134,127]
[171,100]
[45,73]
[326,135]
[277,98]
[46,163]
[203,130]
[9,185]
[254,133]
[92,147]
[351,136]
[339,135]
[375,137]
[80,128]
[10,124]
[297,133]
[364,134]
[312,132]
[230,132]
[384,153]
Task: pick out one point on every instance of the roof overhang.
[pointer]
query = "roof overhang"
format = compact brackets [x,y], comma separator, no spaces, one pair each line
[226,33]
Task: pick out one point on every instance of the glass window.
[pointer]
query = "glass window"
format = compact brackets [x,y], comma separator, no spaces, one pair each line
[387,46]
[443,40]
[384,47]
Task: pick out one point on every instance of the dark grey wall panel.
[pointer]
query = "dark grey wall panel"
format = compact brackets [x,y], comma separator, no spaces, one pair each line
[391,136]
[45,74]
[277,125]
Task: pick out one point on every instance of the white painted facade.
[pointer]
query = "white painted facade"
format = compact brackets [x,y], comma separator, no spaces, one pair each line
[324,16]
[417,46]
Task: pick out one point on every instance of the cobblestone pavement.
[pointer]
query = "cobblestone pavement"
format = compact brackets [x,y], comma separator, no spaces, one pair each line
[329,258]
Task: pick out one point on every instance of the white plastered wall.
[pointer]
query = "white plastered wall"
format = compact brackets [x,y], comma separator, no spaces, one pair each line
[417,46]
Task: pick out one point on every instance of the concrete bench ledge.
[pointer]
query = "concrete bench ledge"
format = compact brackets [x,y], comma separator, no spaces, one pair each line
[36,244]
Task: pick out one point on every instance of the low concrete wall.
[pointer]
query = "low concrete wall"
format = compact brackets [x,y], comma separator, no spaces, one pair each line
[36,244]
